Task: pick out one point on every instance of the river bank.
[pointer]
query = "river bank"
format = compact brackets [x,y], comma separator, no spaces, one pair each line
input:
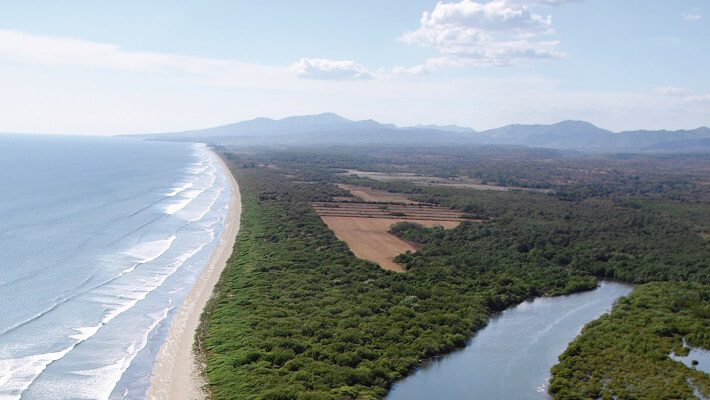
[177,374]
[511,357]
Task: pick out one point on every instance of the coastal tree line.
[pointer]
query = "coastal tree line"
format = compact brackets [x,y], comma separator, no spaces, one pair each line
[297,316]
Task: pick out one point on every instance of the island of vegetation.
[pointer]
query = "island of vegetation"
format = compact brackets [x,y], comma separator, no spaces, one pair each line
[625,354]
[296,315]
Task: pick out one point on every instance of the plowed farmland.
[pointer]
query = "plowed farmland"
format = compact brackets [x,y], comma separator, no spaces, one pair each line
[389,211]
[369,194]
[364,226]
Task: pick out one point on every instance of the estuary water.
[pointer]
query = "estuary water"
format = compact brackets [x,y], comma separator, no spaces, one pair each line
[511,357]
[100,240]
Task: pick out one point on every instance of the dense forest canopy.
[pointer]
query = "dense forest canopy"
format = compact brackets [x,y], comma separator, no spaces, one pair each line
[625,354]
[298,316]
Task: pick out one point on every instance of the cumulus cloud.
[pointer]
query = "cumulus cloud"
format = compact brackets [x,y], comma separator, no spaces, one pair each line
[543,2]
[464,21]
[499,32]
[336,70]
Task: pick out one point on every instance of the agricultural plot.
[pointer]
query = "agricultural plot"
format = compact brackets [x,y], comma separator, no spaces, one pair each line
[369,194]
[426,180]
[424,212]
[365,226]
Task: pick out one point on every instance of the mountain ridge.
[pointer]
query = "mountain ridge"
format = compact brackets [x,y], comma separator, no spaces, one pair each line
[330,128]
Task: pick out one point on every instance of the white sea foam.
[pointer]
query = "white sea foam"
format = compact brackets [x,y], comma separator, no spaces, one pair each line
[179,189]
[85,332]
[198,170]
[186,199]
[197,215]
[177,206]
[215,192]
[110,281]
[192,194]
[139,288]
[149,251]
[98,383]
[129,298]
[180,260]
[17,374]
[129,269]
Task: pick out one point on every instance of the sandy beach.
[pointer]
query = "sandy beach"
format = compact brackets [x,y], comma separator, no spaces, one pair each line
[176,373]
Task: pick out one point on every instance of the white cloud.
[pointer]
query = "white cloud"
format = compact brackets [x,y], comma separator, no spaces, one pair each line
[76,54]
[692,15]
[499,32]
[324,69]
[544,2]
[672,91]
[68,52]
[64,85]
[460,22]
[682,95]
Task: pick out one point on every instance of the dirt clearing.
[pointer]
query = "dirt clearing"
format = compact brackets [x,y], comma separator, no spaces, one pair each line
[384,210]
[425,180]
[368,237]
[369,194]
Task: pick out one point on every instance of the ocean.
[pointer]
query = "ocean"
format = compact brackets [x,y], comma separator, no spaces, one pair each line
[100,240]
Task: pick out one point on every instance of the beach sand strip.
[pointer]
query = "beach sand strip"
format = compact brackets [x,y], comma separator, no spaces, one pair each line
[176,372]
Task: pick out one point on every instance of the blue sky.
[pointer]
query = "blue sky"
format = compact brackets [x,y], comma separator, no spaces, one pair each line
[151,66]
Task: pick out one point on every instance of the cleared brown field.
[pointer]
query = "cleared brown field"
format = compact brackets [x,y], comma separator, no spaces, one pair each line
[425,180]
[364,226]
[389,211]
[368,237]
[369,194]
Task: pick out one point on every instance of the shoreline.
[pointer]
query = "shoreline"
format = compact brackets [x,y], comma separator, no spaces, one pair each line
[176,373]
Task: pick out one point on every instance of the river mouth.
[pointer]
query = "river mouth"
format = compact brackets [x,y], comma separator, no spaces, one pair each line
[511,357]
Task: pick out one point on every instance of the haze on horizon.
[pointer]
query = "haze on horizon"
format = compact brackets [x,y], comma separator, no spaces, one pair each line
[160,66]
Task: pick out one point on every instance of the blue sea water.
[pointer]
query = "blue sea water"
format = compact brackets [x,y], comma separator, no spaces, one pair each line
[100,240]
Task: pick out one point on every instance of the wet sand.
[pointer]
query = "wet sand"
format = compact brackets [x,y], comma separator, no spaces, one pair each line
[176,373]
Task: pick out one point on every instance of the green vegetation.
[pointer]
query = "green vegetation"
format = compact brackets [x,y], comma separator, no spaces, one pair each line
[599,237]
[625,354]
[695,215]
[298,316]
[571,175]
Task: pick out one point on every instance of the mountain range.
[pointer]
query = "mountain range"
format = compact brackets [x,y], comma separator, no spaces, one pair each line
[330,128]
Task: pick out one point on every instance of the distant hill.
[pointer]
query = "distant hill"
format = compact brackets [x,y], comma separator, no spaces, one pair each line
[565,134]
[446,128]
[325,128]
[330,128]
[686,146]
[582,135]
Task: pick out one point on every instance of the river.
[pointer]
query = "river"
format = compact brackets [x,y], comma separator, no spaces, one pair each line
[511,357]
